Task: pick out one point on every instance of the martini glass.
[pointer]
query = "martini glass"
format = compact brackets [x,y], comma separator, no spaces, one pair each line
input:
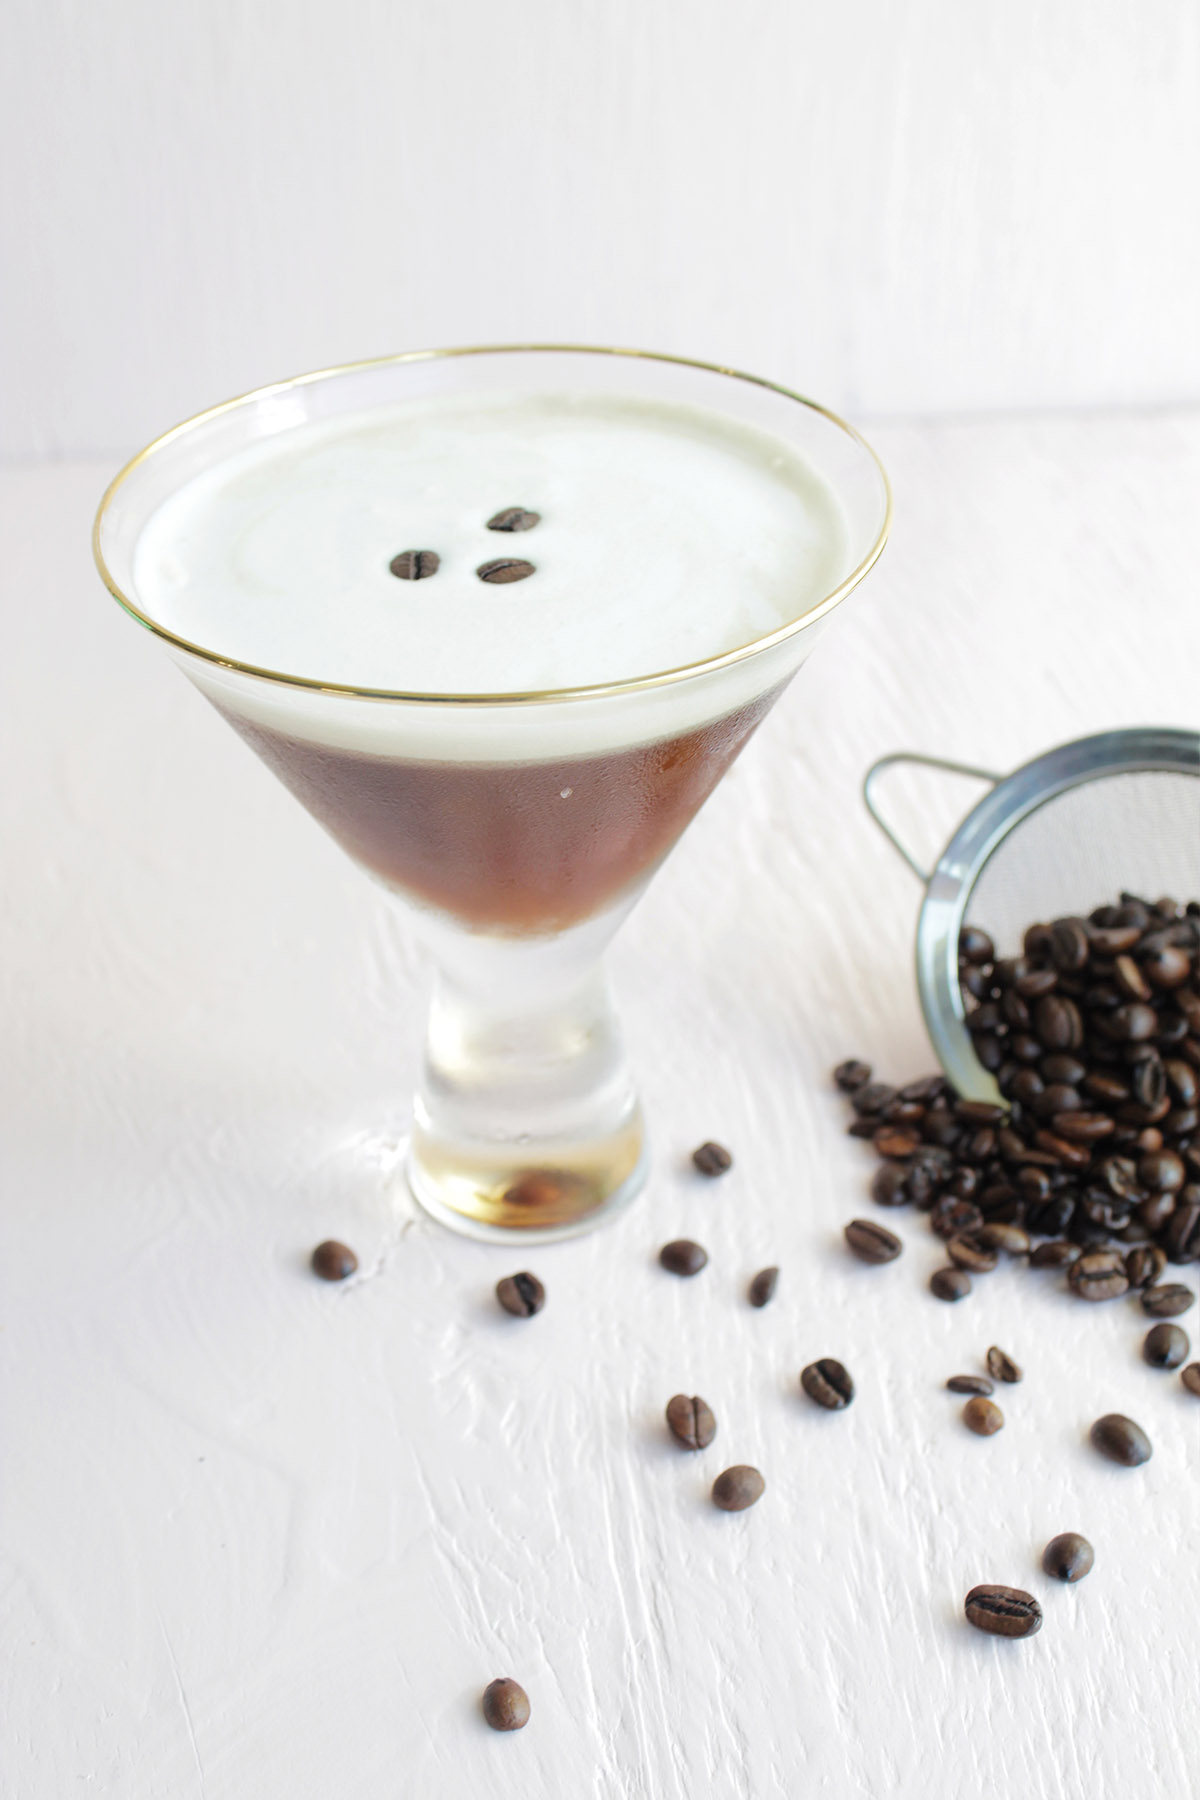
[516,825]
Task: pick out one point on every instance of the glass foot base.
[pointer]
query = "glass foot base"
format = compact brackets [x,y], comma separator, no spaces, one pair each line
[539,1200]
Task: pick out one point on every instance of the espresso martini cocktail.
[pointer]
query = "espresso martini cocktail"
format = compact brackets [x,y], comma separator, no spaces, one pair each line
[501,620]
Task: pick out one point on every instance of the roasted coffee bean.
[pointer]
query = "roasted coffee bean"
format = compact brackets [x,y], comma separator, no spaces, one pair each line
[903,1112]
[1155,1210]
[967,1251]
[1162,1172]
[1013,1240]
[987,1017]
[1071,1156]
[1166,967]
[1063,1070]
[1081,1127]
[503,569]
[950,1217]
[862,1128]
[1133,1023]
[1165,1346]
[1052,1218]
[979,1147]
[1034,1184]
[1181,1238]
[979,1112]
[1055,1253]
[989,1051]
[1056,1100]
[871,1097]
[1112,939]
[415,565]
[976,982]
[872,1243]
[762,1288]
[1002,1367]
[964,1182]
[1109,1088]
[333,1261]
[1145,1264]
[1182,1121]
[1098,1275]
[1120,1177]
[683,1257]
[1025,1086]
[712,1159]
[1015,1010]
[1033,983]
[505,1704]
[1121,1440]
[690,1421]
[888,1185]
[928,1089]
[1190,1378]
[737,1488]
[919,1185]
[1130,980]
[970,1384]
[950,1284]
[1003,1611]
[894,1141]
[1167,1300]
[1182,1081]
[1068,1557]
[513,518]
[522,1295]
[975,946]
[940,1129]
[1069,945]
[828,1383]
[983,1417]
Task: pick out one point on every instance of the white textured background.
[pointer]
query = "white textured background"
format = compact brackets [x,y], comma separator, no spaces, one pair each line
[896,205]
[263,1539]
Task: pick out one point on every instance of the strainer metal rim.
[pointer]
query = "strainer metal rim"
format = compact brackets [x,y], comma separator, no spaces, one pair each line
[949,886]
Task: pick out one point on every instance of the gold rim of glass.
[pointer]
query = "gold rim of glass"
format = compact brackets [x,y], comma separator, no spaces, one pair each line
[628,684]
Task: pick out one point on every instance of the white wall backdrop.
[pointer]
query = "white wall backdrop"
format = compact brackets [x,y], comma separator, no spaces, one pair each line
[898,205]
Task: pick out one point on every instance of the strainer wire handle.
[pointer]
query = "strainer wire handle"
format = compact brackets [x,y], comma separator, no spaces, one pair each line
[871,780]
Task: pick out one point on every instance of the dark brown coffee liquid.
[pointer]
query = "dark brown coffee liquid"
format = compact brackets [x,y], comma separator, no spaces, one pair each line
[516,847]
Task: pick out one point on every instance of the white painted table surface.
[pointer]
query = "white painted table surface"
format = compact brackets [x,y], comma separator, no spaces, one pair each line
[266,1537]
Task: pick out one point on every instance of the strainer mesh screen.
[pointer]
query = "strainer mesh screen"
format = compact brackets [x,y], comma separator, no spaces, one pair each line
[1138,831]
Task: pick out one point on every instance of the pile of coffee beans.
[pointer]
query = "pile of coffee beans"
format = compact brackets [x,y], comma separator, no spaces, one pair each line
[1093,1036]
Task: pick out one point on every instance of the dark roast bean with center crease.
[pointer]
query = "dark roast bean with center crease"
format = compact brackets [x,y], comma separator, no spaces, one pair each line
[1098,1275]
[1068,1557]
[970,1384]
[1162,1172]
[521,1295]
[1112,940]
[1072,1156]
[967,1252]
[871,1097]
[828,1383]
[950,1284]
[1057,1024]
[852,1075]
[505,1704]
[762,1288]
[1130,980]
[1190,1378]
[975,946]
[871,1243]
[1121,1440]
[1015,1010]
[415,565]
[737,1488]
[1120,1177]
[1055,1253]
[683,1257]
[712,1159]
[1031,984]
[1034,1184]
[690,1421]
[1133,1023]
[1181,1079]
[1109,1088]
[980,1146]
[1155,1210]
[1003,1611]
[1010,1238]
[1069,946]
[1081,1127]
[503,569]
[1168,967]
[1168,1300]
[896,1142]
[1062,1069]
[1002,1367]
[1144,1264]
[979,1112]
[513,518]
[1165,1346]
[1096,1207]
[887,1185]
[951,1216]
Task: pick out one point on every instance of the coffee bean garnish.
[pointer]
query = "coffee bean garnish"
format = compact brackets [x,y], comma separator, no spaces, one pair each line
[712,1159]
[1121,1440]
[504,569]
[1003,1611]
[505,1704]
[513,518]
[415,565]
[828,1383]
[737,1488]
[950,1284]
[970,1384]
[982,1416]
[690,1421]
[872,1243]
[1167,1301]
[762,1288]
[683,1257]
[1068,1557]
[333,1261]
[521,1295]
[1190,1378]
[1002,1367]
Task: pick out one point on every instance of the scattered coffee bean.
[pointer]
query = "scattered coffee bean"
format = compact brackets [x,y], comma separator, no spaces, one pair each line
[683,1257]
[521,1295]
[1165,1346]
[415,565]
[1002,1367]
[970,1384]
[1055,1253]
[1144,1264]
[828,1383]
[762,1288]
[872,1243]
[967,1252]
[851,1075]
[690,1421]
[737,1488]
[950,1284]
[1003,1611]
[1013,1240]
[1168,1300]
[1121,1440]
[1098,1275]
[505,1704]
[1190,1378]
[871,1098]
[513,518]
[982,1416]
[333,1261]
[894,1141]
[504,569]
[1068,1557]
[712,1159]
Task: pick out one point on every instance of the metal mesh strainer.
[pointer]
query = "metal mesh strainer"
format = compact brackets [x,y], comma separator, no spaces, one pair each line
[1062,834]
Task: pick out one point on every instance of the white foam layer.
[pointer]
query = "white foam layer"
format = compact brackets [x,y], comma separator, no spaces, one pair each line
[668,535]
